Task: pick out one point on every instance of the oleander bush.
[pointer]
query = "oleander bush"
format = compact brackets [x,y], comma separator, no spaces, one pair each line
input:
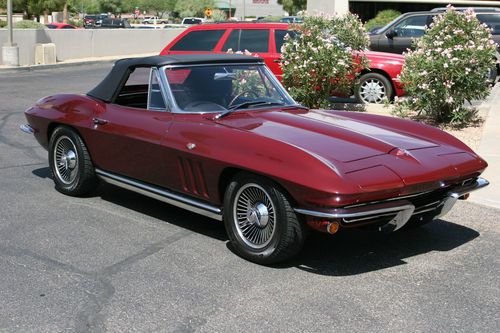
[28,24]
[382,18]
[449,67]
[322,59]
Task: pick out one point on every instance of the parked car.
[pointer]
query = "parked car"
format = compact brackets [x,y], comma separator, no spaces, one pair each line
[115,23]
[154,20]
[291,19]
[376,84]
[398,35]
[192,20]
[95,20]
[218,135]
[55,25]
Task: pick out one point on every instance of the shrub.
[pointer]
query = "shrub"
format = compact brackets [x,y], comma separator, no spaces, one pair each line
[320,61]
[3,24]
[76,22]
[218,15]
[382,18]
[28,24]
[449,66]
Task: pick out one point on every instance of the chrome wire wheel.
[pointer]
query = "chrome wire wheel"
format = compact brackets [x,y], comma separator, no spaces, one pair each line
[254,216]
[65,160]
[372,90]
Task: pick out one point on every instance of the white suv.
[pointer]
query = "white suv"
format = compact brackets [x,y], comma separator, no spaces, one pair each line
[154,20]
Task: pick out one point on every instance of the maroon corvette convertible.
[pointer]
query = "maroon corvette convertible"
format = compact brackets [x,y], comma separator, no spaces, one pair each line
[218,135]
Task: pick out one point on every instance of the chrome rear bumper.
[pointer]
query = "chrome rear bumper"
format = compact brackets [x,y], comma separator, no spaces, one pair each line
[400,210]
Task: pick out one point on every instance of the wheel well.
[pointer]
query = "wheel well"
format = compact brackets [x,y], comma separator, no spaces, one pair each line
[229,173]
[381,72]
[52,127]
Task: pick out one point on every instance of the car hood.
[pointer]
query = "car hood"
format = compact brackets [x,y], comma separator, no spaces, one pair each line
[326,134]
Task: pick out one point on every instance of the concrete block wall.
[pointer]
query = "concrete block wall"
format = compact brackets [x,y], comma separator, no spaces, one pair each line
[87,43]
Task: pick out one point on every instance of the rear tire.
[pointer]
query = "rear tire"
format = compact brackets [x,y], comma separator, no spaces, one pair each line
[374,88]
[70,162]
[260,222]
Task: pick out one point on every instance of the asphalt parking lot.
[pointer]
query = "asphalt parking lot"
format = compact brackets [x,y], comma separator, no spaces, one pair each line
[116,261]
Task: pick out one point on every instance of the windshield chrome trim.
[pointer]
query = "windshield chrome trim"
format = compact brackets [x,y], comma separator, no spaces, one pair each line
[154,72]
[278,84]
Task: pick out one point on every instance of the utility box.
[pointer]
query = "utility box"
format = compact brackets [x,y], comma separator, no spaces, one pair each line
[45,54]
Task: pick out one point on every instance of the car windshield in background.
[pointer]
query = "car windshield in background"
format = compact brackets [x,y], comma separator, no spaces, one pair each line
[225,87]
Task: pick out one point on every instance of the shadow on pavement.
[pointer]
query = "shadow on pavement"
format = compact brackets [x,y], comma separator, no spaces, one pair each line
[357,252]
[43,172]
[162,211]
[350,252]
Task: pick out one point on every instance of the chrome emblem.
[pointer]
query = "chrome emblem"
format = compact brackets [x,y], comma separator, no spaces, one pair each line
[402,152]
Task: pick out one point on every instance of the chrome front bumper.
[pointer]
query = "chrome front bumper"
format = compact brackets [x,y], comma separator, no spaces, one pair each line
[400,210]
[27,129]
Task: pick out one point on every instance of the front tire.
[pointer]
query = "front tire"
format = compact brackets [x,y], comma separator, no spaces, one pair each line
[374,88]
[70,162]
[260,222]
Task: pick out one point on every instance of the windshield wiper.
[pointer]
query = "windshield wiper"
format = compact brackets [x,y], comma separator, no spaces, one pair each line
[246,104]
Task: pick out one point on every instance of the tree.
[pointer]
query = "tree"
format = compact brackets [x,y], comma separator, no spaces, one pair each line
[197,8]
[44,7]
[115,7]
[159,7]
[382,18]
[293,6]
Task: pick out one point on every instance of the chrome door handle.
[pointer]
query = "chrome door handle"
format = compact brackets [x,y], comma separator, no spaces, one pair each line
[98,121]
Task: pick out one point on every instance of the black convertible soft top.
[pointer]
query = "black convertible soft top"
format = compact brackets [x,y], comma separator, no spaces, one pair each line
[112,83]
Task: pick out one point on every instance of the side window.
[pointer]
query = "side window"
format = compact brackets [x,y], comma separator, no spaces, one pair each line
[134,92]
[411,27]
[203,40]
[279,37]
[155,96]
[233,41]
[492,21]
[251,40]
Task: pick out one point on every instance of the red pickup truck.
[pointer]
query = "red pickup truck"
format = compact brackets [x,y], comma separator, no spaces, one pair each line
[265,39]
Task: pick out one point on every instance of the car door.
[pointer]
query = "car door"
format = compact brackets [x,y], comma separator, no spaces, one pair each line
[277,41]
[128,133]
[400,37]
[256,41]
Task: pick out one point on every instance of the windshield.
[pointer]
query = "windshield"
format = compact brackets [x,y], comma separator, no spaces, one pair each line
[225,87]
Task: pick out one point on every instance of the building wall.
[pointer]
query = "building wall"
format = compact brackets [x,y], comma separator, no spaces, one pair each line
[83,43]
[254,8]
[328,6]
